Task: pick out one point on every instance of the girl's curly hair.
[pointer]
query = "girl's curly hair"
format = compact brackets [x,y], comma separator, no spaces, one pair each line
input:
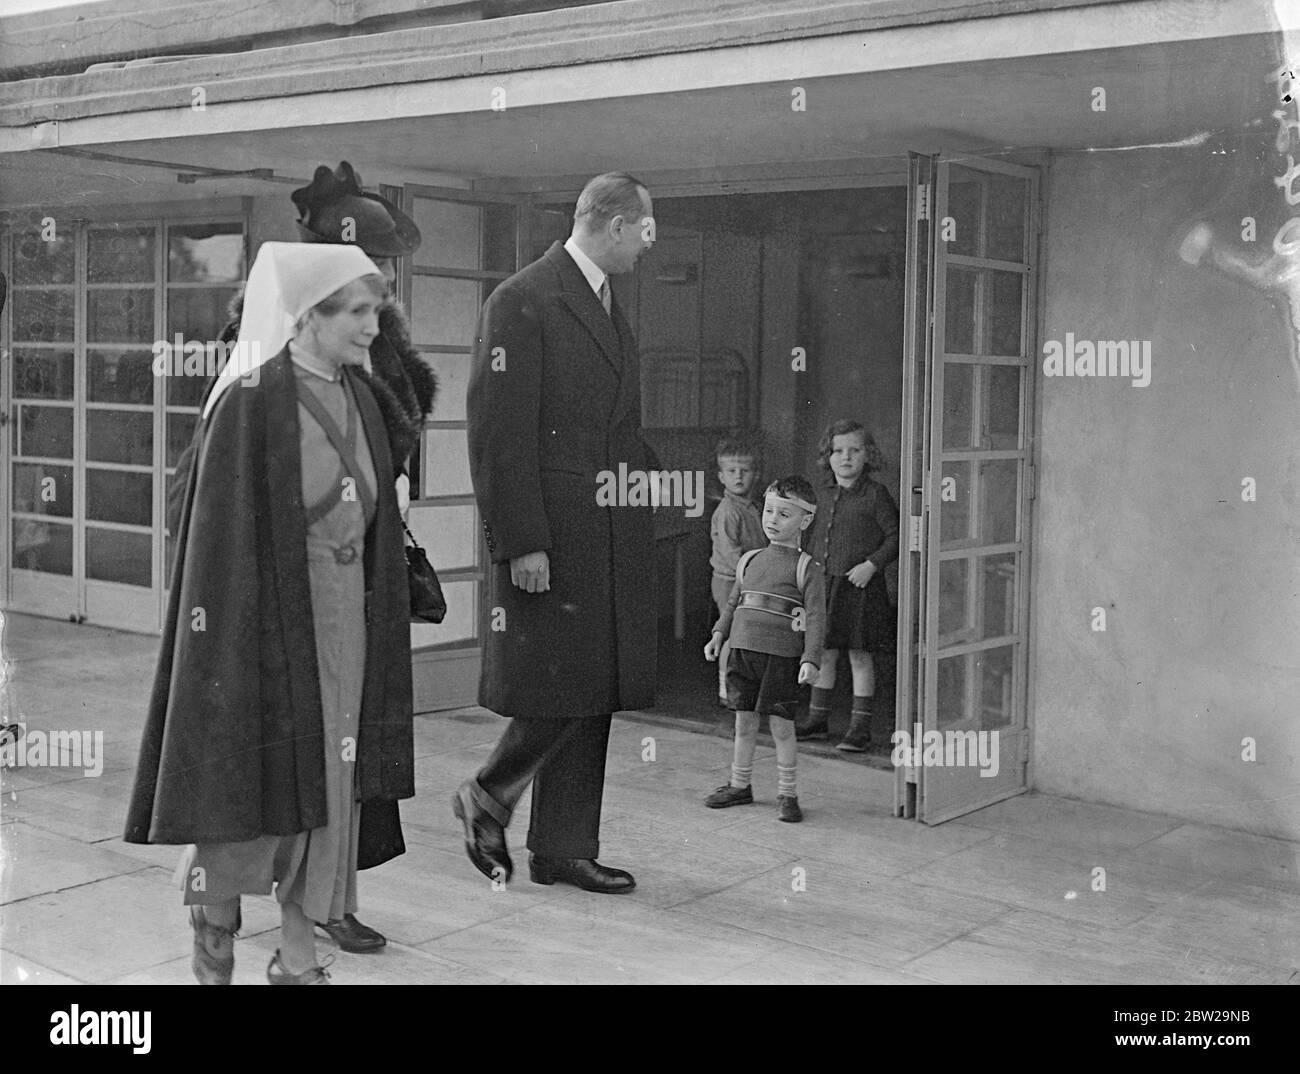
[875,460]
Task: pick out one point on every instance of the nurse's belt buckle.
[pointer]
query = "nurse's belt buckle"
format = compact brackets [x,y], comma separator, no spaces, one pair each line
[345,555]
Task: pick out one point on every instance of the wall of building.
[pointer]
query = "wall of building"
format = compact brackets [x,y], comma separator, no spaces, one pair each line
[1140,509]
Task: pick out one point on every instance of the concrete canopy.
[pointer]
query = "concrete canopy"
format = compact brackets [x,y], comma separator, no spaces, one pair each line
[988,85]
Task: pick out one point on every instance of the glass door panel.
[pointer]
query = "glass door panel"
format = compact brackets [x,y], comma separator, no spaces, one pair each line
[972,305]
[43,486]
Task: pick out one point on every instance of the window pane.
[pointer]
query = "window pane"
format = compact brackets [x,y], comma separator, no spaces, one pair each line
[449,535]
[198,313]
[119,377]
[119,255]
[955,504]
[1001,407]
[205,253]
[44,431]
[977,598]
[1008,197]
[124,436]
[453,384]
[42,546]
[42,374]
[997,498]
[997,682]
[958,405]
[119,316]
[44,316]
[446,463]
[114,496]
[1002,297]
[36,261]
[43,489]
[964,208]
[450,233]
[977,688]
[444,312]
[959,312]
[114,556]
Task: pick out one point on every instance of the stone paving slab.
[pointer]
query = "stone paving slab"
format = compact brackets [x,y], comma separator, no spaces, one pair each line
[852,895]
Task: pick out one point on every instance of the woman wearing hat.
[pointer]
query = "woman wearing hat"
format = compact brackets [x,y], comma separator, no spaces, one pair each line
[282,697]
[334,208]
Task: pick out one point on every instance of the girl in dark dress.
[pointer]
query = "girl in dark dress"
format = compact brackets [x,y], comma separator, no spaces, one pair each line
[854,536]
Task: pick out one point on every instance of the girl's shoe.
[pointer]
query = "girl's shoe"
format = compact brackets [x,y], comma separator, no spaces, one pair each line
[278,975]
[214,948]
[787,809]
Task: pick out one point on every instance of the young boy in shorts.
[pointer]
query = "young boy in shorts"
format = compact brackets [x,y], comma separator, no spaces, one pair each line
[736,527]
[775,618]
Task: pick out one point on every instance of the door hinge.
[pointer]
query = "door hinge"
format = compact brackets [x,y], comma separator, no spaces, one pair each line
[1032,475]
[922,201]
[1024,747]
[914,533]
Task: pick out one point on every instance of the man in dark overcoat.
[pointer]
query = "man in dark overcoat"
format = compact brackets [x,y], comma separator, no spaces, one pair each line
[569,614]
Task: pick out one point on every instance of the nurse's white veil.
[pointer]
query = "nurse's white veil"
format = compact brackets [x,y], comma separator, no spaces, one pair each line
[286,280]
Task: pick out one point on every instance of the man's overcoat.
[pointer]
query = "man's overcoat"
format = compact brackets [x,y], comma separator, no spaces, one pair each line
[555,403]
[233,739]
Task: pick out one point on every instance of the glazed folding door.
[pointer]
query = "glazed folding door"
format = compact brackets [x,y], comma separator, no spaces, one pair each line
[968,405]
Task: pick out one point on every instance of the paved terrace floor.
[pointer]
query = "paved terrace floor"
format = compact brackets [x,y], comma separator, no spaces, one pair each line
[1003,895]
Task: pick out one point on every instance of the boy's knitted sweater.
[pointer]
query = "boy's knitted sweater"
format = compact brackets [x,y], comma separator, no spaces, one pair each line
[761,612]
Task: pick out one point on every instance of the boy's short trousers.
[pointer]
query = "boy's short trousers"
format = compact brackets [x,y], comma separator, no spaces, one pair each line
[762,683]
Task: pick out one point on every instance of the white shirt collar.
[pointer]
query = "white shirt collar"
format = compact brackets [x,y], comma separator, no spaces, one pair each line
[595,276]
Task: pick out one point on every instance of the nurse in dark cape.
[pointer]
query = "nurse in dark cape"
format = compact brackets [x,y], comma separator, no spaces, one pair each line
[282,697]
[335,208]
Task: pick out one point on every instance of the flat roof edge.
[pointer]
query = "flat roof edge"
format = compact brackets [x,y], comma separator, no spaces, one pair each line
[626,29]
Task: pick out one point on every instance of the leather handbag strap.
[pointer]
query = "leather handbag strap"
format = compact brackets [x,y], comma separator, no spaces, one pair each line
[344,445]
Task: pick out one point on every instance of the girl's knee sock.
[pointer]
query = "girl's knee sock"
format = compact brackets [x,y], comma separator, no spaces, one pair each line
[819,708]
[742,757]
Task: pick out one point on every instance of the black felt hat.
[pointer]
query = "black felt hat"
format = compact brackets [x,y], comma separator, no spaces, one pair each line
[334,208]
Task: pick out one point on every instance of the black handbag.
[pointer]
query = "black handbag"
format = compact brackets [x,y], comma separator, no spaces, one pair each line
[428,605]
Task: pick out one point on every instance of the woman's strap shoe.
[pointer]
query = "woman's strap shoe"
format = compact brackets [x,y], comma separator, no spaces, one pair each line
[278,975]
[214,948]
[585,873]
[485,821]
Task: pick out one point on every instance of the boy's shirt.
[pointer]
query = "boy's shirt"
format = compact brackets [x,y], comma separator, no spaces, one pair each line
[760,612]
[736,528]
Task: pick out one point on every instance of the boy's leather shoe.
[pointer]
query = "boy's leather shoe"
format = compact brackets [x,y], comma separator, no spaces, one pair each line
[727,795]
[787,809]
[858,736]
[352,936]
[807,729]
[585,873]
[485,836]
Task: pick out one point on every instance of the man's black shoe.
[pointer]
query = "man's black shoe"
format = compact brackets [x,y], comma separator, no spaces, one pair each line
[586,873]
[352,936]
[485,836]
